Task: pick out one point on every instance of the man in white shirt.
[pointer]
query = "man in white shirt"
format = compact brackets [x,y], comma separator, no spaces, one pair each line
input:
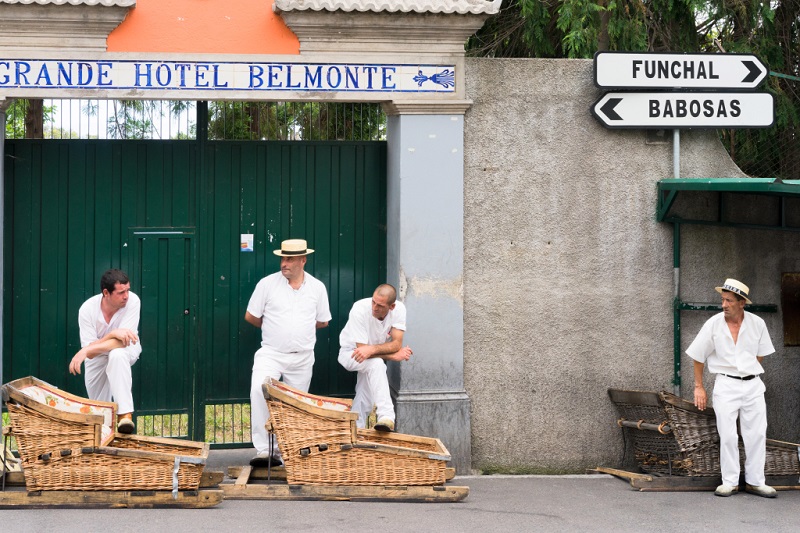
[374,334]
[109,328]
[733,343]
[289,306]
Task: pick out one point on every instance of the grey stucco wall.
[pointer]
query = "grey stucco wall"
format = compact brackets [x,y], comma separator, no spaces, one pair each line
[568,278]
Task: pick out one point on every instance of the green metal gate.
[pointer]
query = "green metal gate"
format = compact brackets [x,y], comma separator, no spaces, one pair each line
[172,213]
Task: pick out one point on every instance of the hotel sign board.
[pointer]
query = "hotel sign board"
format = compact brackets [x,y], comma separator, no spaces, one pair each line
[142,76]
[631,70]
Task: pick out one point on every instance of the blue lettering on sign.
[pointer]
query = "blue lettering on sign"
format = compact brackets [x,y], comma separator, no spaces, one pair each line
[163,75]
[146,75]
[387,77]
[255,76]
[44,76]
[272,76]
[22,69]
[370,71]
[103,72]
[200,74]
[331,83]
[289,78]
[223,76]
[217,84]
[314,80]
[351,77]
[182,68]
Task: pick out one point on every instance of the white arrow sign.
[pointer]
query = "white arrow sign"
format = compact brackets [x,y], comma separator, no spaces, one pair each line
[671,110]
[625,70]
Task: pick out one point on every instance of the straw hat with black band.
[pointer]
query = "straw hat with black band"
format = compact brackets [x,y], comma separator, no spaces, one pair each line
[736,287]
[293,247]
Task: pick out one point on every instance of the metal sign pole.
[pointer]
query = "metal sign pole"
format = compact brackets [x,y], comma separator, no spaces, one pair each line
[676,153]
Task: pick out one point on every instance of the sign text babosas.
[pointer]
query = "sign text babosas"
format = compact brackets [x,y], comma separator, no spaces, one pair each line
[670,110]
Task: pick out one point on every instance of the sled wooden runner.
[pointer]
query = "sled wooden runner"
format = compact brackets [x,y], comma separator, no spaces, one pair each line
[660,483]
[21,499]
[277,489]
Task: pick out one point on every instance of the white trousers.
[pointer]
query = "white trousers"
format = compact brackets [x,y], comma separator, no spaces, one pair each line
[108,377]
[372,387]
[294,369]
[734,398]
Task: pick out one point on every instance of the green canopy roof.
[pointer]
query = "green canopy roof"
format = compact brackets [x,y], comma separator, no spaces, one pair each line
[670,189]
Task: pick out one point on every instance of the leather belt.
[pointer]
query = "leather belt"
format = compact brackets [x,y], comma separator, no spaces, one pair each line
[743,378]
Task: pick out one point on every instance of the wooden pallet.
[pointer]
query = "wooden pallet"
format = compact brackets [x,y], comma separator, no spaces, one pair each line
[654,483]
[277,489]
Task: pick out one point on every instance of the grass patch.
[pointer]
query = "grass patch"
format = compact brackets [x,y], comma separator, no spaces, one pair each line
[227,423]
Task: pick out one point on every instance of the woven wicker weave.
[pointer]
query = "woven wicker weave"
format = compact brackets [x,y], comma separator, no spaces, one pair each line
[692,446]
[62,451]
[322,446]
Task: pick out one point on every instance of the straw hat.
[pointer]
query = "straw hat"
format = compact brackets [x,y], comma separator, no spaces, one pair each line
[293,247]
[736,287]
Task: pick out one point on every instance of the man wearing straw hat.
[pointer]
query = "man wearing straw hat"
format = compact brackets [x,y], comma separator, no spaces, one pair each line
[289,306]
[733,343]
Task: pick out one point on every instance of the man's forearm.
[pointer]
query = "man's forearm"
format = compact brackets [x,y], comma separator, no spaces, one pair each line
[387,348]
[102,346]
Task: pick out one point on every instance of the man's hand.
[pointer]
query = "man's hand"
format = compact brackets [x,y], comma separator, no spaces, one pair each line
[363,352]
[75,364]
[700,397]
[125,336]
[403,354]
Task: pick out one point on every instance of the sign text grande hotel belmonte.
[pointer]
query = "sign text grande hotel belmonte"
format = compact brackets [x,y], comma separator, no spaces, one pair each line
[224,76]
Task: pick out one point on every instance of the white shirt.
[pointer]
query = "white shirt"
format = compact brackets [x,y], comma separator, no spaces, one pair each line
[289,317]
[363,328]
[93,325]
[714,345]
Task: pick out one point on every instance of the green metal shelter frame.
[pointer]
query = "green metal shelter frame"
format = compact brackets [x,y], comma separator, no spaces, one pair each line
[724,189]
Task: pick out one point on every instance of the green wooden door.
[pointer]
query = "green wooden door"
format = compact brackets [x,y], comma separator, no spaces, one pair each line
[161,266]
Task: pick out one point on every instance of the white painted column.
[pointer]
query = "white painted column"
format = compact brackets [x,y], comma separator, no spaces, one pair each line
[425,217]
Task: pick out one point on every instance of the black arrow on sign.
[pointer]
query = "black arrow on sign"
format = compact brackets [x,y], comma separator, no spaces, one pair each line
[754,73]
[608,108]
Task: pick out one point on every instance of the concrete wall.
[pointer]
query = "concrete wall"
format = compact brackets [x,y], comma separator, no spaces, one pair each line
[568,278]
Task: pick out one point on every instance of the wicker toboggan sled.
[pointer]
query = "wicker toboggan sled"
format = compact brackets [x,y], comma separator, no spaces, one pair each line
[68,443]
[327,457]
[677,445]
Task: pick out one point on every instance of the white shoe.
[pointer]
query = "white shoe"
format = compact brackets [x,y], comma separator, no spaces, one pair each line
[765,491]
[725,490]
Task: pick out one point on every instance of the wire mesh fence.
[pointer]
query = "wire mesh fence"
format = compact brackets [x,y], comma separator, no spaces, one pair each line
[772,152]
[168,119]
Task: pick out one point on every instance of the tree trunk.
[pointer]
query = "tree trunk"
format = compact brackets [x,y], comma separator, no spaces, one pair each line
[34,119]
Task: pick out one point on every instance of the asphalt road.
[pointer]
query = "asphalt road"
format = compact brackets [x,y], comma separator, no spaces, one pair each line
[495,503]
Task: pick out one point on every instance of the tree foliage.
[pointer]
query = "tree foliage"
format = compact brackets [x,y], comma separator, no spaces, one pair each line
[295,121]
[769,29]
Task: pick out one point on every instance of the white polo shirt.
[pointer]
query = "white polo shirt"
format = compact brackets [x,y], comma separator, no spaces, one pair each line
[93,324]
[289,317]
[363,328]
[714,346]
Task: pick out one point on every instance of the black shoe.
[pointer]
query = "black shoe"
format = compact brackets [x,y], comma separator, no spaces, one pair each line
[264,460]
